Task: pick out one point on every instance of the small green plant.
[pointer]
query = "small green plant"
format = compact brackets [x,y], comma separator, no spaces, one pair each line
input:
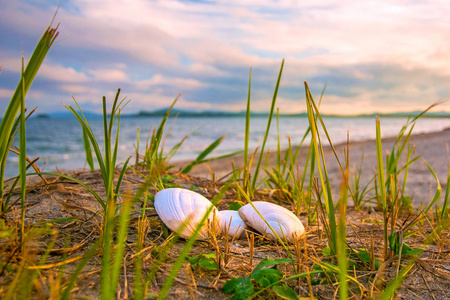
[247,164]
[10,122]
[204,260]
[157,162]
[313,116]
[360,193]
[107,164]
[265,275]
[154,159]
[201,158]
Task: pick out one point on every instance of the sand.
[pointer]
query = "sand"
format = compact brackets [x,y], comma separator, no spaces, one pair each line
[65,199]
[421,185]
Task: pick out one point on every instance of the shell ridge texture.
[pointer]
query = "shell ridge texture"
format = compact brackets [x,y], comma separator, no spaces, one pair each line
[286,225]
[183,209]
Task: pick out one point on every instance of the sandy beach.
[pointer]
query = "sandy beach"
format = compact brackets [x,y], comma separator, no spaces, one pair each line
[421,185]
[81,215]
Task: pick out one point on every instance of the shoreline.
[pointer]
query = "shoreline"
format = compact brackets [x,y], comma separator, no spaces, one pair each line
[432,147]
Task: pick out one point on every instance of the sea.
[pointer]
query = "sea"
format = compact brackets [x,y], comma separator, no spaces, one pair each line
[58,142]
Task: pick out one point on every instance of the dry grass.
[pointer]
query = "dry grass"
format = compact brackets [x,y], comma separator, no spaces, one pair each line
[429,277]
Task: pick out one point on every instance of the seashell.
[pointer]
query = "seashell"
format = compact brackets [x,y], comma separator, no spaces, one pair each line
[284,222]
[180,207]
[231,223]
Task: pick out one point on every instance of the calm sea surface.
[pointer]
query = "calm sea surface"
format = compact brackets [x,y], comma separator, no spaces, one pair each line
[59,142]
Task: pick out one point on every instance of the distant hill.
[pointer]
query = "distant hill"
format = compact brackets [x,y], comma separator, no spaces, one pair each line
[206,113]
[217,113]
[64,115]
[438,114]
[213,113]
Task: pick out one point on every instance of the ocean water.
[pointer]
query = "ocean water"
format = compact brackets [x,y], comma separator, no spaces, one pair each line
[58,142]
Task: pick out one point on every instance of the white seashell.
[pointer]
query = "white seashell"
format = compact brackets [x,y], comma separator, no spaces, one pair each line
[284,222]
[231,223]
[180,207]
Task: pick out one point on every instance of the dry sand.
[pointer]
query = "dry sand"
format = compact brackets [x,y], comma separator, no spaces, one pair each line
[421,185]
[65,199]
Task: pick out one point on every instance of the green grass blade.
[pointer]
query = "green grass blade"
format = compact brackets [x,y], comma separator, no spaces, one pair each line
[89,189]
[389,292]
[85,125]
[249,201]
[247,121]
[445,206]
[121,241]
[74,276]
[107,141]
[202,155]
[272,107]
[22,157]
[278,141]
[88,150]
[156,141]
[323,174]
[120,178]
[382,182]
[341,242]
[438,190]
[8,121]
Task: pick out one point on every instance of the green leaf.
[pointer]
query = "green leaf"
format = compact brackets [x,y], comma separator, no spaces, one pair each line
[209,255]
[415,251]
[327,251]
[208,264]
[242,287]
[394,244]
[285,292]
[88,150]
[230,285]
[203,154]
[235,206]
[364,255]
[271,262]
[8,123]
[193,260]
[266,277]
[204,260]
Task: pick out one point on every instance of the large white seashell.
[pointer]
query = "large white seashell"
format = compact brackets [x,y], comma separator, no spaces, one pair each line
[231,223]
[179,207]
[284,222]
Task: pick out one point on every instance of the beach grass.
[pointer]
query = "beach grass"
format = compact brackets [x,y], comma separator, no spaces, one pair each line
[113,245]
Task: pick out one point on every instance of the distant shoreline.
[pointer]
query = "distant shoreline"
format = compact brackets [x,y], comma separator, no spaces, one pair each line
[242,114]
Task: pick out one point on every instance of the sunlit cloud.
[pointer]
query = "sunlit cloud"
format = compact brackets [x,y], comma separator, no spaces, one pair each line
[372,55]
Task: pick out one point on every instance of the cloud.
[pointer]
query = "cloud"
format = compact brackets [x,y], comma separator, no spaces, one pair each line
[174,83]
[6,93]
[109,75]
[62,74]
[373,55]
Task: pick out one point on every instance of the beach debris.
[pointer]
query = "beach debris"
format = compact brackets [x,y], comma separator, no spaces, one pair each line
[231,223]
[182,210]
[286,225]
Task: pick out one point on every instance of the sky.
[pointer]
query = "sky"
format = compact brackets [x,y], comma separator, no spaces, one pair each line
[373,56]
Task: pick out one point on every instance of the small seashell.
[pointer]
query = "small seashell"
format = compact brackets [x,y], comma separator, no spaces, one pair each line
[231,223]
[284,222]
[180,207]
